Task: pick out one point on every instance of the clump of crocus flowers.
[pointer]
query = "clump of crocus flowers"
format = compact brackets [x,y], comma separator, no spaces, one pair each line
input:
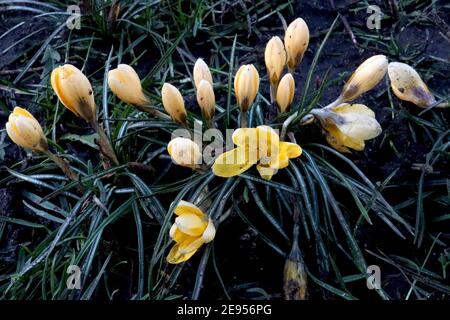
[346,126]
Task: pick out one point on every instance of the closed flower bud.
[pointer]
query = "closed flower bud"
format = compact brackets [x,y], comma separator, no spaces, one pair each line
[296,41]
[201,72]
[365,77]
[246,85]
[407,85]
[74,91]
[206,99]
[184,152]
[275,58]
[285,92]
[348,126]
[173,103]
[26,131]
[125,83]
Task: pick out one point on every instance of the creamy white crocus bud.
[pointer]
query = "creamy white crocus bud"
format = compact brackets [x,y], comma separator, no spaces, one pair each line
[285,92]
[125,83]
[185,152]
[275,59]
[407,85]
[173,103]
[26,131]
[201,72]
[246,86]
[206,99]
[365,77]
[296,40]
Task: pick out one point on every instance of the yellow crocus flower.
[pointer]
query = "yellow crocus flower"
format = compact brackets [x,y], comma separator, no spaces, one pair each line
[260,145]
[74,91]
[125,83]
[192,228]
[347,126]
[26,131]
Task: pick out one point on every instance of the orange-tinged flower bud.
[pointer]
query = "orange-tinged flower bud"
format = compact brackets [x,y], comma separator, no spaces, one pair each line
[246,86]
[74,91]
[275,58]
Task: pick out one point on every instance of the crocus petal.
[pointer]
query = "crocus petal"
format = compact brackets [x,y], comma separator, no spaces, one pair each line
[292,150]
[191,224]
[234,162]
[266,172]
[354,108]
[175,256]
[190,245]
[345,140]
[210,232]
[178,236]
[245,137]
[185,207]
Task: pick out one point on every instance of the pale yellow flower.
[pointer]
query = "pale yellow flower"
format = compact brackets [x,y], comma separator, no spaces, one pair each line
[201,72]
[285,92]
[26,131]
[275,59]
[125,83]
[206,99]
[348,126]
[173,103]
[246,86]
[184,152]
[192,228]
[74,91]
[296,40]
[365,77]
[407,85]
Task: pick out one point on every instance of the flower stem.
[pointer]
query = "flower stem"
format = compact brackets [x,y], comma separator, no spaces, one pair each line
[243,119]
[104,144]
[65,167]
[154,112]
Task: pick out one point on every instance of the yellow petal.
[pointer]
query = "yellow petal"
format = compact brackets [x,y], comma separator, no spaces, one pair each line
[173,103]
[275,59]
[190,245]
[234,162]
[209,233]
[206,99]
[178,236]
[184,207]
[268,141]
[356,108]
[266,172]
[285,92]
[175,256]
[191,224]
[201,72]
[246,85]
[292,150]
[342,139]
[245,137]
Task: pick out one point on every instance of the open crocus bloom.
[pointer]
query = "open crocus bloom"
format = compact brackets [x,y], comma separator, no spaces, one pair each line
[348,126]
[260,145]
[192,228]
